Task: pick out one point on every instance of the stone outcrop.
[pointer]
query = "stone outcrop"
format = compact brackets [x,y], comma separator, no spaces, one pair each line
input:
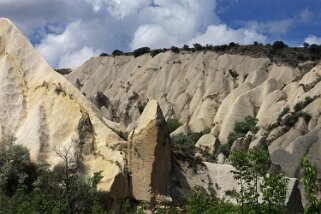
[149,156]
[207,143]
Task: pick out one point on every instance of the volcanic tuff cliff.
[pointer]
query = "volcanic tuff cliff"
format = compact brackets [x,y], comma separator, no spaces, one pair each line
[204,89]
[44,111]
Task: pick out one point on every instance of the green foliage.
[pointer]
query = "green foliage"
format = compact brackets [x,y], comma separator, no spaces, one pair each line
[117,52]
[249,168]
[27,187]
[200,203]
[242,128]
[311,189]
[153,53]
[173,124]
[198,47]
[279,45]
[223,148]
[175,49]
[302,104]
[186,47]
[283,112]
[140,51]
[103,54]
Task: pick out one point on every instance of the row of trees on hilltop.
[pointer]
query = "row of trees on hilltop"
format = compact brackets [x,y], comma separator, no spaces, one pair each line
[278,51]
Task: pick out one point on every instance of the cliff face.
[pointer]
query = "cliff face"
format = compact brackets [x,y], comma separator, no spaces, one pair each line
[44,111]
[210,90]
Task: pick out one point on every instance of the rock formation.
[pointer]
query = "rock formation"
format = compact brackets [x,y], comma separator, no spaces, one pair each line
[149,156]
[44,111]
[205,89]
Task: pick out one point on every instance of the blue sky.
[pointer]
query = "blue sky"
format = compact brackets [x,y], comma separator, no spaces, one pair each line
[68,32]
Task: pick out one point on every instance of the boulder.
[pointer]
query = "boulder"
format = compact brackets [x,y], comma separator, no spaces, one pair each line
[220,158]
[149,156]
[206,143]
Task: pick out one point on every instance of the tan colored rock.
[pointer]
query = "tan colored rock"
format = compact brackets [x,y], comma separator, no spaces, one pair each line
[221,158]
[149,155]
[207,143]
[43,110]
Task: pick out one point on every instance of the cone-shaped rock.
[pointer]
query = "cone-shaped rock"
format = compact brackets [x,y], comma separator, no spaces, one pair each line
[150,155]
[45,111]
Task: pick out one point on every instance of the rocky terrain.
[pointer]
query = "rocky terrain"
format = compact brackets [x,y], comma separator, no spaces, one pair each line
[112,112]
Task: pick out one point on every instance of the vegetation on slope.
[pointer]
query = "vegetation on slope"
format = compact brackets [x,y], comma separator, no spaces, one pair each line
[278,52]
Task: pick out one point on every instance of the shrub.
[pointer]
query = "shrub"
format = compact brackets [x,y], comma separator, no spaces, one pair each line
[153,53]
[174,49]
[233,73]
[140,51]
[242,128]
[186,48]
[103,54]
[311,188]
[277,45]
[173,124]
[302,104]
[198,47]
[285,111]
[117,52]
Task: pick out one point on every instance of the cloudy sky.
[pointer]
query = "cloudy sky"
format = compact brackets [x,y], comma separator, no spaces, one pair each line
[68,32]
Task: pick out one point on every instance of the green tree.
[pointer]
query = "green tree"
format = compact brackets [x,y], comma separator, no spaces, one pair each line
[311,189]
[251,172]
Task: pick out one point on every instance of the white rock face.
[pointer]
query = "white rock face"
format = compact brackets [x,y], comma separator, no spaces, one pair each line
[206,142]
[43,110]
[149,155]
[197,88]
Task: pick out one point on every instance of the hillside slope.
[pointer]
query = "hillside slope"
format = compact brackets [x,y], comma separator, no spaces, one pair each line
[211,90]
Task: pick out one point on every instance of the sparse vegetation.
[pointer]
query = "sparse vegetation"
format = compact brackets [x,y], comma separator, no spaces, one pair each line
[153,53]
[140,51]
[242,128]
[175,49]
[103,54]
[302,104]
[117,52]
[173,124]
[311,188]
[27,187]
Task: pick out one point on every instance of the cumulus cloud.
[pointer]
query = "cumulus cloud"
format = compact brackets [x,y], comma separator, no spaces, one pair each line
[67,33]
[311,39]
[222,34]
[272,27]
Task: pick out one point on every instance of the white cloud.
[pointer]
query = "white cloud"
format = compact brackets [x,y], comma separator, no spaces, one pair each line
[311,39]
[306,15]
[272,27]
[222,34]
[74,59]
[69,32]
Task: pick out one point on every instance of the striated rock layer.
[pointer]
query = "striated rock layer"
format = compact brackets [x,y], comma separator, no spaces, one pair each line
[44,111]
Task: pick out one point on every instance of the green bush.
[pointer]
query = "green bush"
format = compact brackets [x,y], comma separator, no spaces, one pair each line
[302,104]
[173,124]
[117,52]
[186,48]
[140,51]
[103,54]
[285,111]
[175,49]
[242,128]
[153,53]
[279,45]
[198,47]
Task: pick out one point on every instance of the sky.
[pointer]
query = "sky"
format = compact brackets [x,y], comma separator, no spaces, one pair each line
[68,32]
